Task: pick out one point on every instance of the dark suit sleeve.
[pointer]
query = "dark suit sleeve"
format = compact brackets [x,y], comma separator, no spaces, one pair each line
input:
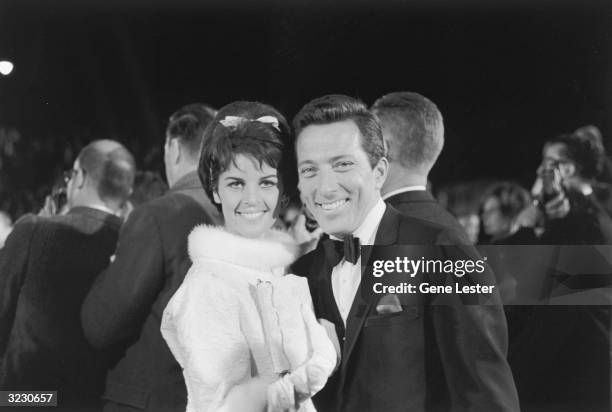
[122,296]
[473,342]
[13,264]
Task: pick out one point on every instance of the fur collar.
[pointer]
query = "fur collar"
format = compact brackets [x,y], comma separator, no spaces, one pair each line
[278,249]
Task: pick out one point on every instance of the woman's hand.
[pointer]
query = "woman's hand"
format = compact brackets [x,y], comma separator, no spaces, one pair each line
[281,396]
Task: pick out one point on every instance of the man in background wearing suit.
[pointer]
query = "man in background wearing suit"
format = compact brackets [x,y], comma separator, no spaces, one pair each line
[124,307]
[47,268]
[342,166]
[413,130]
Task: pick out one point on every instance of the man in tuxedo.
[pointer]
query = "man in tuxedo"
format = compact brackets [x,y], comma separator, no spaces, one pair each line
[342,167]
[124,307]
[413,131]
[47,268]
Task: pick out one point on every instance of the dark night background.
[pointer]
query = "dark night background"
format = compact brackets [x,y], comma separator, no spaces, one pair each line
[506,74]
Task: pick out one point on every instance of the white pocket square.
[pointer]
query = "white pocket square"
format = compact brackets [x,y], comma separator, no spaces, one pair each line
[388,304]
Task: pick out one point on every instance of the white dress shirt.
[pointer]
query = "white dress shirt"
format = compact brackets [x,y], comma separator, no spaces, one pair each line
[346,276]
[404,189]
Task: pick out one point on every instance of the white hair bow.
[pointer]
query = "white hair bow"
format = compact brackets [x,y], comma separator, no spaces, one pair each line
[235,121]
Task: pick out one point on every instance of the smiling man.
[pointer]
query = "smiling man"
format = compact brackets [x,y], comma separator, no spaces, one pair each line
[387,359]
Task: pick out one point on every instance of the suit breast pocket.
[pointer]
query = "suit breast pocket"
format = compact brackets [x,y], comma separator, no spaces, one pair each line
[408,314]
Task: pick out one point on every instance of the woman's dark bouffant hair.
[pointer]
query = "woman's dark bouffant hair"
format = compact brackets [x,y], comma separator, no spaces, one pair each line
[244,134]
[587,153]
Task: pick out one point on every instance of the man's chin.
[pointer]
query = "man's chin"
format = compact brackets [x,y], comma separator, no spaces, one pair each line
[334,228]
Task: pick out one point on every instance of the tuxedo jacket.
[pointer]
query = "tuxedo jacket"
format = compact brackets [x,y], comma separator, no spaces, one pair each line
[46,268]
[386,358]
[422,205]
[125,305]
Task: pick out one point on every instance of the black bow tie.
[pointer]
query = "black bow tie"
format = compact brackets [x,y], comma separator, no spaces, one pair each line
[347,248]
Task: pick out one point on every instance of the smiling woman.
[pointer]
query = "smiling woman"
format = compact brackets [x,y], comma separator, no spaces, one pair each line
[243,164]
[248,193]
[246,335]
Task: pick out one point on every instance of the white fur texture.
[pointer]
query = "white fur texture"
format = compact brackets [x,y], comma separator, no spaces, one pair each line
[213,324]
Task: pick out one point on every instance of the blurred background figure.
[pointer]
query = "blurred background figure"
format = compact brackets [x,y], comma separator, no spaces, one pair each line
[602,187]
[567,206]
[148,185]
[46,268]
[499,208]
[6,226]
[413,130]
[124,306]
[462,200]
[560,354]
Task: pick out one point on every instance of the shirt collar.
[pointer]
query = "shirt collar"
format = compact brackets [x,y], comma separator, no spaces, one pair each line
[402,190]
[104,209]
[189,180]
[367,230]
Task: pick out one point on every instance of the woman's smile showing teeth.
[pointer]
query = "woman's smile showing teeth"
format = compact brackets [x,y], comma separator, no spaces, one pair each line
[251,215]
[332,205]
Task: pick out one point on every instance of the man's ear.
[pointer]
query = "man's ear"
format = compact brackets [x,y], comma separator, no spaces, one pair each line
[80,178]
[381,170]
[175,150]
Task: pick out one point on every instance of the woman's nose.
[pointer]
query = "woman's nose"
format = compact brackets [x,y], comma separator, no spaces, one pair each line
[251,194]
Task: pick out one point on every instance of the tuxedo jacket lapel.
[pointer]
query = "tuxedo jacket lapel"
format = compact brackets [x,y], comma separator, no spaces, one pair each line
[385,235]
[322,270]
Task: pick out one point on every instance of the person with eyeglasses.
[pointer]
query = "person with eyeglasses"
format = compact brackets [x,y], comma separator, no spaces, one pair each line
[125,305]
[560,353]
[46,268]
[566,207]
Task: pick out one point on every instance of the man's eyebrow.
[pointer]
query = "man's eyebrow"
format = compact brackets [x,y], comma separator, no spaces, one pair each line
[342,156]
[305,162]
[332,159]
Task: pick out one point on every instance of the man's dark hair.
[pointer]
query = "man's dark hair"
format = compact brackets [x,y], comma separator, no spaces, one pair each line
[415,126]
[337,108]
[188,125]
[585,152]
[111,167]
[237,130]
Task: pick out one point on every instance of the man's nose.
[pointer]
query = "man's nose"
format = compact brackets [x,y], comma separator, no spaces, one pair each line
[328,183]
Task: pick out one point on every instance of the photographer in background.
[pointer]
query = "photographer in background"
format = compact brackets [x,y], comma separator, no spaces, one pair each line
[566,208]
[560,354]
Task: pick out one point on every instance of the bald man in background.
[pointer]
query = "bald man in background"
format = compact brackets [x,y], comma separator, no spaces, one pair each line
[124,306]
[47,266]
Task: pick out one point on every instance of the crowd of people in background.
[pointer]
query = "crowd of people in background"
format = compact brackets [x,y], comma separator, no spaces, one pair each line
[24,189]
[124,235]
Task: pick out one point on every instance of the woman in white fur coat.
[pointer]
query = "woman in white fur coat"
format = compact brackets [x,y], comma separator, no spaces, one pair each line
[244,332]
